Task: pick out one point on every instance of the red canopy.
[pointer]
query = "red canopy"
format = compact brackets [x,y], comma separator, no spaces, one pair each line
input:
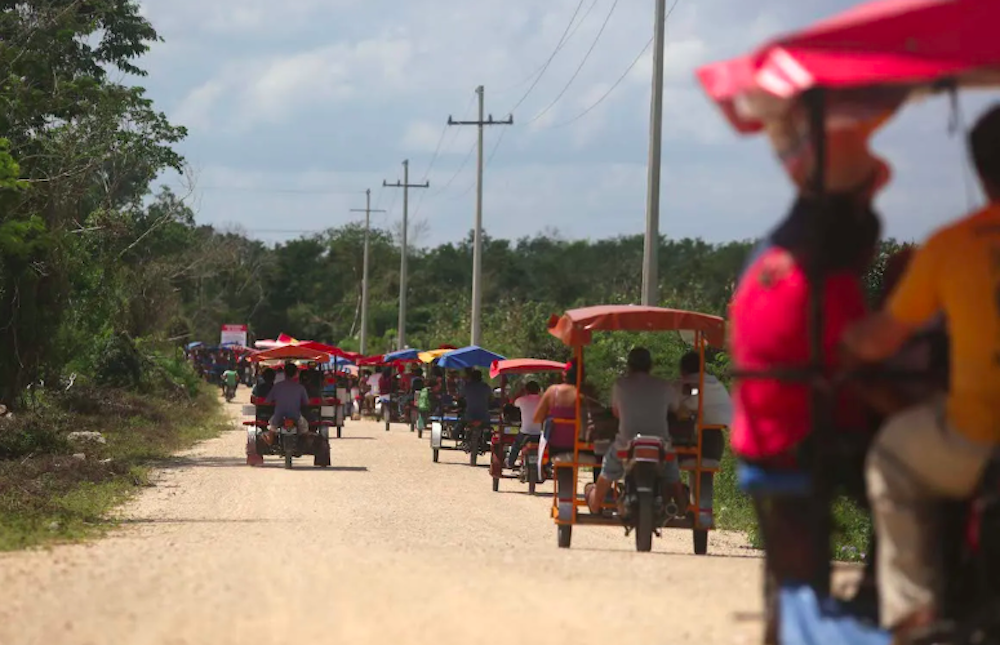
[291,352]
[524,366]
[906,44]
[323,347]
[371,360]
[575,327]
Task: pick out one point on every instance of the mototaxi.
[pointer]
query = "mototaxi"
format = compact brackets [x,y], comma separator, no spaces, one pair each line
[526,470]
[637,504]
[289,443]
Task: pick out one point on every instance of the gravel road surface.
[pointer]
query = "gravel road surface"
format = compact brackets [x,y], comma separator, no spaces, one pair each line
[384,547]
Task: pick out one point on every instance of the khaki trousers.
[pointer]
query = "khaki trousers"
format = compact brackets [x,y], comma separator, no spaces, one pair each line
[917,460]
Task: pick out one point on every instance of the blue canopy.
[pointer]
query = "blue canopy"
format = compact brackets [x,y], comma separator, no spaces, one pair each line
[337,362]
[196,343]
[402,355]
[472,356]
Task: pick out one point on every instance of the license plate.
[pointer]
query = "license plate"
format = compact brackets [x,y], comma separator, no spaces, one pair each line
[328,411]
[249,410]
[511,430]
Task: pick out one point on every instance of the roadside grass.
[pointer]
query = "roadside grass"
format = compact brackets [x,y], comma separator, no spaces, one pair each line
[734,512]
[48,494]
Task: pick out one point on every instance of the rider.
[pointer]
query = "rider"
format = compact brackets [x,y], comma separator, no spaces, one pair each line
[528,404]
[230,379]
[938,449]
[288,397]
[477,395]
[641,402]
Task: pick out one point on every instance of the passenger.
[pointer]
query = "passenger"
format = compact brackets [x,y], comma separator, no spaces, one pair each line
[937,450]
[717,410]
[263,387]
[641,402]
[425,403]
[288,397]
[477,395]
[557,410]
[527,403]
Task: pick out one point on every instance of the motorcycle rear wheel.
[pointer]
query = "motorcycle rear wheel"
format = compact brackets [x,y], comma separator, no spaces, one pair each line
[644,524]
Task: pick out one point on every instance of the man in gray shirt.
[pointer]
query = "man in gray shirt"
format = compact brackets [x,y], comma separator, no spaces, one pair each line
[641,402]
[288,397]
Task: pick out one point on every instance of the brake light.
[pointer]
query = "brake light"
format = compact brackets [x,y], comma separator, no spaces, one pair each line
[646,453]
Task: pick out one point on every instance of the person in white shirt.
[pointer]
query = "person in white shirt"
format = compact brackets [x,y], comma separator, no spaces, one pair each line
[527,403]
[372,392]
[717,411]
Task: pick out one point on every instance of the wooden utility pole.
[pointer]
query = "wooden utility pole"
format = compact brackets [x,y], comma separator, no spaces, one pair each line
[406,186]
[477,242]
[367,210]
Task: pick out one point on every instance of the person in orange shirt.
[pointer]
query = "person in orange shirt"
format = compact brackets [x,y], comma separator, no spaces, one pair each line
[938,449]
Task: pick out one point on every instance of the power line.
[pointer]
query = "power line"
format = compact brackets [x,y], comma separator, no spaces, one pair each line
[559,45]
[308,191]
[541,69]
[610,89]
[458,172]
[420,199]
[618,82]
[579,68]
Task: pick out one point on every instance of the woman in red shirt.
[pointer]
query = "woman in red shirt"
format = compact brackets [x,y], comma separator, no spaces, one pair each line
[769,324]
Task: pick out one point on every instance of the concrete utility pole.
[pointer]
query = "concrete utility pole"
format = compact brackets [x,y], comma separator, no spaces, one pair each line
[406,186]
[650,279]
[367,210]
[477,243]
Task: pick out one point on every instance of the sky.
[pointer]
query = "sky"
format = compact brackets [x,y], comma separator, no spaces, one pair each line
[295,108]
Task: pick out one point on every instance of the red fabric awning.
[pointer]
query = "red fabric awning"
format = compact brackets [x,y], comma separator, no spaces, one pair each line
[575,327]
[524,366]
[898,43]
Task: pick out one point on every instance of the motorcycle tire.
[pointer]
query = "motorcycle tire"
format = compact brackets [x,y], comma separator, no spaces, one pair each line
[532,477]
[565,534]
[700,541]
[437,453]
[644,524]
[474,448]
[496,485]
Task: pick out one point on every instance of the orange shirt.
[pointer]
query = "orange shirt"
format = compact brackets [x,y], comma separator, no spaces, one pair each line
[958,272]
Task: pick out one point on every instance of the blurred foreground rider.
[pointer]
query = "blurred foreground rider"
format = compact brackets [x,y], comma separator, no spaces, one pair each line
[937,450]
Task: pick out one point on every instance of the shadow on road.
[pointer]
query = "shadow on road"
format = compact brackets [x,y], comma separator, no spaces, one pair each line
[240,462]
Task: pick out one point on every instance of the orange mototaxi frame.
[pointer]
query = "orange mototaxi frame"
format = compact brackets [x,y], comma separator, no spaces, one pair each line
[575,329]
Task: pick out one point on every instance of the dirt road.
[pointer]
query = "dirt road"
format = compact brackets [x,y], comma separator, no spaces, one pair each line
[384,547]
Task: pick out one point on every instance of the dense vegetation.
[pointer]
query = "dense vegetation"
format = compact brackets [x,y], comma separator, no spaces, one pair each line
[103,277]
[86,259]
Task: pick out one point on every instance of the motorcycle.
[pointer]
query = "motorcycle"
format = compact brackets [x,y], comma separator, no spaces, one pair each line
[641,504]
[230,392]
[477,440]
[529,464]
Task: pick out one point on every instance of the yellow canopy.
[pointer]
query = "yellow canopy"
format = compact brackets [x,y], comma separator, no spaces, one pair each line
[428,357]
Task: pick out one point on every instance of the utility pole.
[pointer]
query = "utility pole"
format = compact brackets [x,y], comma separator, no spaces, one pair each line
[477,241]
[650,279]
[367,210]
[406,186]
